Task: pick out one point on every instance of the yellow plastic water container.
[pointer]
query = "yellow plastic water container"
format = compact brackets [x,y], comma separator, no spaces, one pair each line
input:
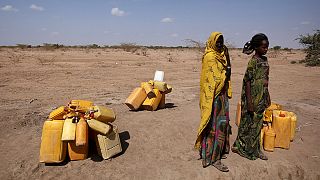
[103,114]
[169,89]
[80,105]
[281,123]
[151,104]
[69,129]
[293,125]
[82,131]
[77,152]
[148,88]
[136,98]
[100,127]
[58,113]
[162,86]
[52,149]
[269,110]
[108,145]
[263,131]
[238,115]
[269,139]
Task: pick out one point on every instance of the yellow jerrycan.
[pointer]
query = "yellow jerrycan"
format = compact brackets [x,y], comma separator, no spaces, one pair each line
[293,125]
[281,123]
[136,98]
[269,139]
[78,149]
[268,112]
[151,104]
[80,105]
[52,149]
[263,131]
[102,114]
[82,132]
[238,115]
[108,145]
[69,129]
[101,127]
[58,113]
[148,88]
[169,89]
[162,86]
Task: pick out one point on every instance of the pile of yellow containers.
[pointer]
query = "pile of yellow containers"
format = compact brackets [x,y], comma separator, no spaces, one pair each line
[149,96]
[66,132]
[280,129]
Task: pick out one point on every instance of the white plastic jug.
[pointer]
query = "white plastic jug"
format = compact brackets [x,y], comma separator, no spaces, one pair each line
[158,76]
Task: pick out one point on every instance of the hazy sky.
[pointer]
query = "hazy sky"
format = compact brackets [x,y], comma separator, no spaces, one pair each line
[155,22]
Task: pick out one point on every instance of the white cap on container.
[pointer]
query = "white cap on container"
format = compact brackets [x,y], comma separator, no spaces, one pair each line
[159,76]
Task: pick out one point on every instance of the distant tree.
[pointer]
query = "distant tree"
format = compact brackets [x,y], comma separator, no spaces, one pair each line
[312,44]
[199,46]
[276,47]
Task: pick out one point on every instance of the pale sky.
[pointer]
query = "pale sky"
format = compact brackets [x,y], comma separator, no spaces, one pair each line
[155,22]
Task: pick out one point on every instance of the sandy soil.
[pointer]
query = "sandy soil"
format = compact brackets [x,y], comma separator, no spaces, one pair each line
[156,145]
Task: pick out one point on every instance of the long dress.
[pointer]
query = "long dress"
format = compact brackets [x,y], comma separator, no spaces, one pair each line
[247,142]
[215,142]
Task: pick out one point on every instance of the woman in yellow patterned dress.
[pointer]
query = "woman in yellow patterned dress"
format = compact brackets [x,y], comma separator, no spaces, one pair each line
[215,90]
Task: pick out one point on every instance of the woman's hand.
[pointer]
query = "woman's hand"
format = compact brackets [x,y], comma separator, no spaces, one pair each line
[228,70]
[250,107]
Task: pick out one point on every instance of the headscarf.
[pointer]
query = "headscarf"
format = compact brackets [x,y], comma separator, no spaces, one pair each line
[254,43]
[211,47]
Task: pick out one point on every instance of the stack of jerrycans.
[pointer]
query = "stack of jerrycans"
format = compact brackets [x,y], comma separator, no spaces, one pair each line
[66,131]
[106,135]
[149,96]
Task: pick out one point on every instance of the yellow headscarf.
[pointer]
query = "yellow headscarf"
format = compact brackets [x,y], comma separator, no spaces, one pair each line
[212,48]
[212,81]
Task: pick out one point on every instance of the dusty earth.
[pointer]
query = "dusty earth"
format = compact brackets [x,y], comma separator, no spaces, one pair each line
[156,145]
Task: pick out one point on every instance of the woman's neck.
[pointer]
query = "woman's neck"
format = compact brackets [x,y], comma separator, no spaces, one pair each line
[258,55]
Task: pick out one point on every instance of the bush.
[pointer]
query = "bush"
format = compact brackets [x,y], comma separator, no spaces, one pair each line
[276,47]
[312,44]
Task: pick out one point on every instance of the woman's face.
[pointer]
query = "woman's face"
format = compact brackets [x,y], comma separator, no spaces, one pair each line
[263,48]
[219,43]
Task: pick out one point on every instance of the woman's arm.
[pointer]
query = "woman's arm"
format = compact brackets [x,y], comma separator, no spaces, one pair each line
[249,97]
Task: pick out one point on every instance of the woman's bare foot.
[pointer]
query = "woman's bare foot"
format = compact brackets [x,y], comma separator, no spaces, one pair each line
[224,156]
[262,156]
[220,166]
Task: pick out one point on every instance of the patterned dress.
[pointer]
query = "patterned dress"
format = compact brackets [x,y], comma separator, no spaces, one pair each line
[248,139]
[215,142]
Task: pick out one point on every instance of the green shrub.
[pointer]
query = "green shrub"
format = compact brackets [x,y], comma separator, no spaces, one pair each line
[312,44]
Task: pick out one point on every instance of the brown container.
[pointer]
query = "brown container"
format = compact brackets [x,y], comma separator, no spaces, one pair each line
[136,98]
